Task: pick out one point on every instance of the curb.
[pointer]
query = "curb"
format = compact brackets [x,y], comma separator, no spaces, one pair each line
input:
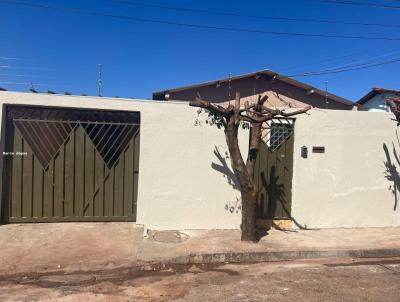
[253,257]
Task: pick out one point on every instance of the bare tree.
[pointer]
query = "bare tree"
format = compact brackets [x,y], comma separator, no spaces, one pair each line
[230,118]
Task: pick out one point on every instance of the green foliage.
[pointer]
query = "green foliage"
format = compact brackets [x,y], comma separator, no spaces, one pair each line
[212,119]
[244,125]
[209,118]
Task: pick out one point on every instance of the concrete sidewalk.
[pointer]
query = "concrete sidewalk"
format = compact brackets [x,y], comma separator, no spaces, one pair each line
[100,246]
[218,246]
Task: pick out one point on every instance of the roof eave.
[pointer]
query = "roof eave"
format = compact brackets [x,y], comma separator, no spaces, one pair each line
[265,72]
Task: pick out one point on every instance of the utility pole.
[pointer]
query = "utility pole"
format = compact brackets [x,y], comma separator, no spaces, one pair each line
[229,87]
[326,95]
[100,82]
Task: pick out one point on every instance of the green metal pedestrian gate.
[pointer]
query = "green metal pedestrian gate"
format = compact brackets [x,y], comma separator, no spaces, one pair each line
[274,170]
[70,165]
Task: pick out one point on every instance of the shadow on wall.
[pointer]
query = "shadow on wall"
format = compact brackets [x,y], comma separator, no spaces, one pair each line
[391,173]
[273,188]
[224,168]
[276,193]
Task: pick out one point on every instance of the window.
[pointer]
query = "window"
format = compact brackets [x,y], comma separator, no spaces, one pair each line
[279,132]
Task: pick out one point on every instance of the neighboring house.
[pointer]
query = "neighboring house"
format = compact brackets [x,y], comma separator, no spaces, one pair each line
[375,100]
[283,91]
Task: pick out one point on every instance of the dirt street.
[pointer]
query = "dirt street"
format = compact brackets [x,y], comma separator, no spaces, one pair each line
[312,280]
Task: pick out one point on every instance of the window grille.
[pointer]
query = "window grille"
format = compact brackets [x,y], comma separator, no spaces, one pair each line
[279,131]
[47,130]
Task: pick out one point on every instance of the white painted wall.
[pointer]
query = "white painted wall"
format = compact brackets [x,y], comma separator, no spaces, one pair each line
[345,186]
[178,188]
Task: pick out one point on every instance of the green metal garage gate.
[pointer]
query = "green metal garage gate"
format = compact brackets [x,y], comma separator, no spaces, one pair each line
[70,165]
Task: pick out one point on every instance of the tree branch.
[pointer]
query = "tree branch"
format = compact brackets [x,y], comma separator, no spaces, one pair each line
[216,109]
[254,119]
[237,102]
[394,105]
[303,110]
[247,108]
[263,99]
[265,116]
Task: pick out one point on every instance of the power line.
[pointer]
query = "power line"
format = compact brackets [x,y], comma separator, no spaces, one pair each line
[44,69]
[210,27]
[13,58]
[14,83]
[36,84]
[18,75]
[355,67]
[343,69]
[360,3]
[367,60]
[326,60]
[234,14]
[30,68]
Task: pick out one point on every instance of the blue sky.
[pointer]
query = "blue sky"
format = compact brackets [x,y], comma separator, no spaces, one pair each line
[60,51]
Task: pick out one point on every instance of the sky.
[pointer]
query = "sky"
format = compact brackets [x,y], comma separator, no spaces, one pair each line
[59,49]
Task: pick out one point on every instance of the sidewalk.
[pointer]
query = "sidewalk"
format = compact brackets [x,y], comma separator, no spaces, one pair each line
[225,246]
[100,246]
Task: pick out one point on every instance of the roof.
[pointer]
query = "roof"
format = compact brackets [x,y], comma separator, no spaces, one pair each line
[375,91]
[267,72]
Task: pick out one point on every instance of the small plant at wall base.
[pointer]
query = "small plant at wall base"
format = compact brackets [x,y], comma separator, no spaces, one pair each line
[230,118]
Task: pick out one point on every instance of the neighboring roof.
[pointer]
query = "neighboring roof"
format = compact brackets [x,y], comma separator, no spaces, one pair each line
[375,91]
[267,72]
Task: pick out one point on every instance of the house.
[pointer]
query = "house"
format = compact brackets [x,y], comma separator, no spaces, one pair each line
[82,158]
[375,100]
[282,91]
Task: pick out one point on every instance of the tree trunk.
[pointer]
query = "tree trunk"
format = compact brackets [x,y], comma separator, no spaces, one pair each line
[254,147]
[246,182]
[248,227]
